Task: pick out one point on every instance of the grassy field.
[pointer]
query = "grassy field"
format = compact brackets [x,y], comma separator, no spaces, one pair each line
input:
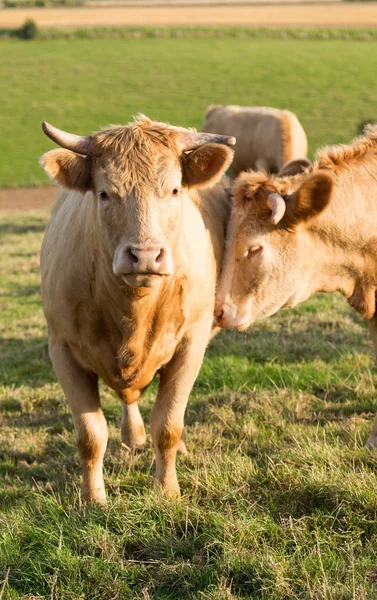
[81,85]
[279,495]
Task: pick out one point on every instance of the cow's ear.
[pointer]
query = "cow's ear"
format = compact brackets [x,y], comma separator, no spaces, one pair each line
[203,167]
[70,170]
[295,166]
[312,196]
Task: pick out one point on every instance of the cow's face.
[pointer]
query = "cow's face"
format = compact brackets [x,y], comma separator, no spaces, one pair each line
[266,263]
[139,175]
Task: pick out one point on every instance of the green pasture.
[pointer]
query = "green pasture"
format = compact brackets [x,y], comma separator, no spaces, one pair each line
[83,84]
[279,495]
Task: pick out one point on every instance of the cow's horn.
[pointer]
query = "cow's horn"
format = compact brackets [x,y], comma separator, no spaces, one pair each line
[190,140]
[277,205]
[77,143]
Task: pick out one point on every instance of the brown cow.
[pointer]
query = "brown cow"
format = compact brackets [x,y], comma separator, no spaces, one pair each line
[292,236]
[129,266]
[267,137]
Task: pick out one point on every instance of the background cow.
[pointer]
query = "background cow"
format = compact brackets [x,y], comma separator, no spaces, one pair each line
[129,266]
[292,236]
[267,138]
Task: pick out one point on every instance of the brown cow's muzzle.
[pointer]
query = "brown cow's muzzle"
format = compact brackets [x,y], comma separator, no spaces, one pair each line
[139,264]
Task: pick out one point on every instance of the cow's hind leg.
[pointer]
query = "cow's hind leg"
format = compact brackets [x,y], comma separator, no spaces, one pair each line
[132,427]
[81,390]
[372,440]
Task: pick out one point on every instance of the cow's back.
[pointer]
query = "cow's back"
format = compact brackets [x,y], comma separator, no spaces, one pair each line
[265,136]
[293,137]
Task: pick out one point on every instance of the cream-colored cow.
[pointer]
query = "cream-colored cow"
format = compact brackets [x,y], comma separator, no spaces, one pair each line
[267,138]
[129,266]
[290,237]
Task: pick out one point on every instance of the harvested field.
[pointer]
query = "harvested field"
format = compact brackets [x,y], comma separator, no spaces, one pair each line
[315,15]
[25,199]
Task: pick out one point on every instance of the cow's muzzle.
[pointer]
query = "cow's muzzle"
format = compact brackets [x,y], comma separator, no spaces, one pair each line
[227,315]
[148,259]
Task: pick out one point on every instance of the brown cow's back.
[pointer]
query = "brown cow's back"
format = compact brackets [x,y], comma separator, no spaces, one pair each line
[266,137]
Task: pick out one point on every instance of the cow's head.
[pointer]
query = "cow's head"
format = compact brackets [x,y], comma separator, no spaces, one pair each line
[267,262]
[139,175]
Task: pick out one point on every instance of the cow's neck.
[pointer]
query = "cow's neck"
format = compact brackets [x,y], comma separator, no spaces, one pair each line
[344,242]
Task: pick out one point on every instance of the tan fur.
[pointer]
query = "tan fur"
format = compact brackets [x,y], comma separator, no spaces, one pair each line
[98,324]
[286,137]
[326,240]
[266,137]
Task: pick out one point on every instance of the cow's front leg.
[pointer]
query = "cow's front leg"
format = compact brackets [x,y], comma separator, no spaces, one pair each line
[167,419]
[81,390]
[372,440]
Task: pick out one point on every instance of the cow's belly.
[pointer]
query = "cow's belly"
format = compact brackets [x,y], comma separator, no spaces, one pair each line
[127,363]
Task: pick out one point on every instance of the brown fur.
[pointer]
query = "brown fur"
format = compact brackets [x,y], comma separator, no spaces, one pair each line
[325,241]
[266,137]
[99,323]
[286,137]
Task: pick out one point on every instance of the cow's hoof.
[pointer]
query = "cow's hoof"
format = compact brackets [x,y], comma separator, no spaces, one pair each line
[372,442]
[182,448]
[135,440]
[94,497]
[134,446]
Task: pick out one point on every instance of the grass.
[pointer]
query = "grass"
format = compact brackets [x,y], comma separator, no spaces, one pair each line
[279,495]
[81,84]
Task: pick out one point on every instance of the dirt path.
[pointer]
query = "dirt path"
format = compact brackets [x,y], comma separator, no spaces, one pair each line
[332,15]
[26,198]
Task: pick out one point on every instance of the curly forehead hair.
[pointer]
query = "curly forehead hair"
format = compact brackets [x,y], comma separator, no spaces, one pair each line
[143,149]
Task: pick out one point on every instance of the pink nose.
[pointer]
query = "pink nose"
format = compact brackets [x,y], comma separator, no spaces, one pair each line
[150,258]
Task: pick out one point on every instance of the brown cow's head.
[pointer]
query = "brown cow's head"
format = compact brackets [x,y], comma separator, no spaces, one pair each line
[266,263]
[139,175]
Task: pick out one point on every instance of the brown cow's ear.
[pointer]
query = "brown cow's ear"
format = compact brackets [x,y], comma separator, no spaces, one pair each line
[311,198]
[203,167]
[295,166]
[70,170]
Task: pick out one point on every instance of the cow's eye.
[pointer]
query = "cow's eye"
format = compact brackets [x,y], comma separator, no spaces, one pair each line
[175,192]
[253,251]
[104,196]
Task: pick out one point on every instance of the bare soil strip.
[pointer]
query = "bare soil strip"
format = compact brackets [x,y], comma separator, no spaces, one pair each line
[155,3]
[315,15]
[27,198]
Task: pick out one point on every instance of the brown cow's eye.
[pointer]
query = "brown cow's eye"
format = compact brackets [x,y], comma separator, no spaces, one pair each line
[104,196]
[253,251]
[175,192]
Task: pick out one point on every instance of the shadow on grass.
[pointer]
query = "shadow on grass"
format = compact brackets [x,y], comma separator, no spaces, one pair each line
[286,345]
[326,499]
[21,228]
[25,362]
[23,291]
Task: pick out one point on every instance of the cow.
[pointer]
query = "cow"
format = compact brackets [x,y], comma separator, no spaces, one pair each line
[267,138]
[292,236]
[129,265]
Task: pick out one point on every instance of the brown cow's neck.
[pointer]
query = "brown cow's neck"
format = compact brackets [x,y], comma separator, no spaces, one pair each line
[345,238]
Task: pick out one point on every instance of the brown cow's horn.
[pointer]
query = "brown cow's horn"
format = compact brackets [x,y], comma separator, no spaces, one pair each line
[190,140]
[277,205]
[77,143]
